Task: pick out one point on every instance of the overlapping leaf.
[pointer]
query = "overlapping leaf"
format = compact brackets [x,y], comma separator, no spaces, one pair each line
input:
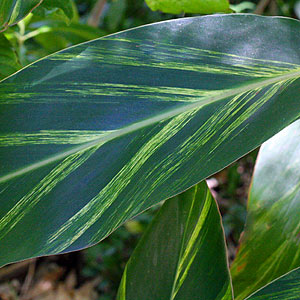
[12,11]
[182,254]
[56,35]
[93,135]
[63,10]
[9,62]
[270,244]
[286,287]
[189,6]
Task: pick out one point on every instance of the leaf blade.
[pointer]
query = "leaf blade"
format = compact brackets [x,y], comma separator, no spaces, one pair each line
[286,287]
[9,62]
[145,130]
[173,257]
[12,11]
[64,10]
[273,200]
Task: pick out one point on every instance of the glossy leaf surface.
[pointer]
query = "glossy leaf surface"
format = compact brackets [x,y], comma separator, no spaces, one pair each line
[270,244]
[12,11]
[189,6]
[9,62]
[182,254]
[95,134]
[285,288]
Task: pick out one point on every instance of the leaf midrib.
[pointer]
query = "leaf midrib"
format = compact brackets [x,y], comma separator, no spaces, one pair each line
[152,120]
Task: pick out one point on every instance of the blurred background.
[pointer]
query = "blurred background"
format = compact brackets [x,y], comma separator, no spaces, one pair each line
[95,273]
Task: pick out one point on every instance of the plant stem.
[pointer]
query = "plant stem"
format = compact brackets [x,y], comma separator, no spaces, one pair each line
[261,6]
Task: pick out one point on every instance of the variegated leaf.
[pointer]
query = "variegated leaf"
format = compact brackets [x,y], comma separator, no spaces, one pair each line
[182,254]
[95,134]
[270,243]
[286,287]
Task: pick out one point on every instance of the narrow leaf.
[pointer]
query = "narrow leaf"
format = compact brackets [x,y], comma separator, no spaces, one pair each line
[286,287]
[189,6]
[182,254]
[270,244]
[12,11]
[95,134]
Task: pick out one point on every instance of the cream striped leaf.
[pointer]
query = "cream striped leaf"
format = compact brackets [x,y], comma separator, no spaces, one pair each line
[269,246]
[286,287]
[182,254]
[95,134]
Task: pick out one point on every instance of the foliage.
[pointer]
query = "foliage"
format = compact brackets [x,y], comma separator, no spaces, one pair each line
[175,257]
[12,11]
[269,246]
[64,10]
[159,140]
[193,6]
[95,134]
[9,62]
[285,287]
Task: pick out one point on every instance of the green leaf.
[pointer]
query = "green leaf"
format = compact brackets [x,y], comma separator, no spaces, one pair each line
[182,254]
[189,6]
[61,10]
[9,62]
[96,134]
[270,244]
[116,14]
[12,11]
[55,35]
[286,287]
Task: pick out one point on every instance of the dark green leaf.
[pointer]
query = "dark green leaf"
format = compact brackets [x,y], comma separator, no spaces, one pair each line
[116,14]
[285,288]
[182,254]
[12,11]
[95,134]
[9,62]
[270,243]
[62,10]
